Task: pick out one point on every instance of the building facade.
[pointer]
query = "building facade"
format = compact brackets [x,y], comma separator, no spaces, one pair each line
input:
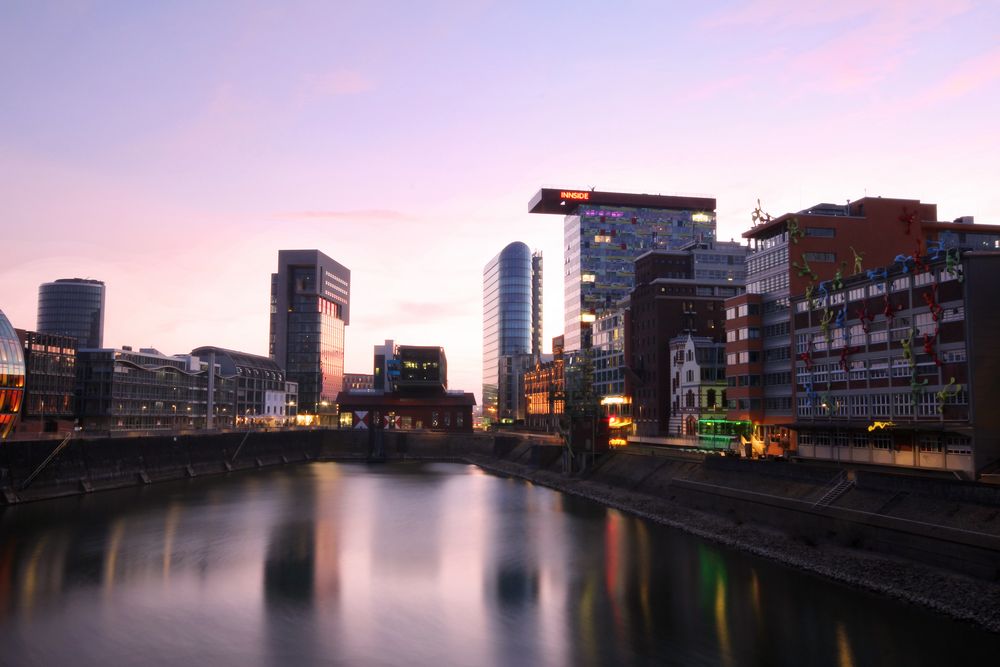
[898,367]
[511,325]
[310,306]
[810,253]
[604,233]
[73,307]
[12,377]
[261,392]
[358,381]
[698,389]
[669,301]
[50,363]
[125,390]
[545,391]
[413,393]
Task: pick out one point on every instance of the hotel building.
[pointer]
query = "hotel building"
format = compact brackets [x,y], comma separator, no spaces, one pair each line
[604,232]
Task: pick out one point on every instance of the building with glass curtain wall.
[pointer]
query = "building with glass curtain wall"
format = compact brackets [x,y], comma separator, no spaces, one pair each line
[512,324]
[11,377]
[604,233]
[310,306]
[73,307]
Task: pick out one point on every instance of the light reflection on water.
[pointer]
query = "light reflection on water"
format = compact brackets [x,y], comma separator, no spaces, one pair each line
[419,565]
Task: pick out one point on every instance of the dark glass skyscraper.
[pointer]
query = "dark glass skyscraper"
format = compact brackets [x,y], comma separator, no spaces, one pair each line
[11,376]
[310,306]
[73,307]
[512,319]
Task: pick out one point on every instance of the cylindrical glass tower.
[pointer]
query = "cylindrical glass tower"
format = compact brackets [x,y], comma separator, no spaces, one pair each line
[73,307]
[11,377]
[507,316]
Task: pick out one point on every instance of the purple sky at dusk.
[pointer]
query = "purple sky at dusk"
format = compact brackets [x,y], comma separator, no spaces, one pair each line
[170,149]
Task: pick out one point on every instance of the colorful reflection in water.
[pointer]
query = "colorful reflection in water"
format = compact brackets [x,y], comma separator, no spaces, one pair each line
[416,565]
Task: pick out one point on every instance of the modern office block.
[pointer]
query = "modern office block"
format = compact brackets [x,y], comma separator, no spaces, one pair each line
[310,306]
[73,307]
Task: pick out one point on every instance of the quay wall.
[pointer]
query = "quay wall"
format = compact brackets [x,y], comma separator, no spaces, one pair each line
[872,515]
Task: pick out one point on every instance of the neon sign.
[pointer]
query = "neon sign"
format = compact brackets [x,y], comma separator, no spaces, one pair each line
[883,425]
[569,194]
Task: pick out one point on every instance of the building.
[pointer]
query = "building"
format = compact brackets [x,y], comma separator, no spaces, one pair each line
[125,390]
[50,382]
[698,390]
[677,293]
[604,233]
[810,254]
[310,306]
[73,307]
[12,373]
[261,392]
[609,346]
[354,381]
[545,391]
[512,324]
[897,366]
[413,393]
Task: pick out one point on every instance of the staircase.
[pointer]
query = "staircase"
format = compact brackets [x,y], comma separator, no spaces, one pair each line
[841,484]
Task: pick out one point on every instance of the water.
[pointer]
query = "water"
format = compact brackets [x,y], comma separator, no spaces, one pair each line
[417,565]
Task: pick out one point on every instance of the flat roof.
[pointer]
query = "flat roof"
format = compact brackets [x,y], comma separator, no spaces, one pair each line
[567,200]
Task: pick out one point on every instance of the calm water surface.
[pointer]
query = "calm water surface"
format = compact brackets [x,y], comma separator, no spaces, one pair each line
[417,565]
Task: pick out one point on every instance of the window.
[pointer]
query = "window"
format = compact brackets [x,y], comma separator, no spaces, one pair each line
[821,232]
[926,278]
[925,323]
[880,405]
[802,342]
[858,370]
[901,283]
[902,406]
[878,289]
[957,444]
[857,332]
[856,294]
[820,257]
[953,314]
[860,440]
[882,442]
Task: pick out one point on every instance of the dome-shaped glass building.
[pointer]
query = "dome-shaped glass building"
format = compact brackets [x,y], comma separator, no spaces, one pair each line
[11,377]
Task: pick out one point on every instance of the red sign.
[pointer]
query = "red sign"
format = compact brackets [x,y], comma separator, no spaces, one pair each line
[569,194]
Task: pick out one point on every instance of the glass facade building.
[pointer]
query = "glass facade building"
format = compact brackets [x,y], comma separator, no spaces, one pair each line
[50,361]
[125,390]
[602,243]
[11,377]
[73,307]
[310,306]
[512,322]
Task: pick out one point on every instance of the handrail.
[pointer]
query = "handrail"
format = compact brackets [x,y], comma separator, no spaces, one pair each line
[49,458]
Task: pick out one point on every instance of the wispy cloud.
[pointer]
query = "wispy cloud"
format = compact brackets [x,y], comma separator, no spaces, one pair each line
[838,47]
[971,75]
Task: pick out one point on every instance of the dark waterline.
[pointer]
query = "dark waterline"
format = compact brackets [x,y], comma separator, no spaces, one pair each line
[418,565]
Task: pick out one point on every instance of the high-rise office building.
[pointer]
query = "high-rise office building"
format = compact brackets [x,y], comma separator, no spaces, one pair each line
[310,306]
[604,232]
[512,324]
[73,307]
[11,377]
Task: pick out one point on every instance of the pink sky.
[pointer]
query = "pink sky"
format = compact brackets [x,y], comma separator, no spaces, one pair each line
[172,150]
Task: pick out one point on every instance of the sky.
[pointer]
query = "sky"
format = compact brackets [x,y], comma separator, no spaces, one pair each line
[171,149]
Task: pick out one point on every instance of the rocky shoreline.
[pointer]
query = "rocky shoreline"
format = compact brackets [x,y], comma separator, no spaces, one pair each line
[961,597]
